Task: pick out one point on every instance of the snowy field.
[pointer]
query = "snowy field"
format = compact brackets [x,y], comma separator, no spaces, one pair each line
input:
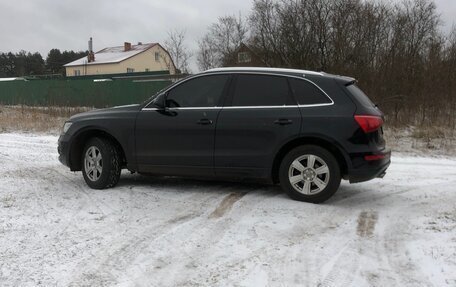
[149,231]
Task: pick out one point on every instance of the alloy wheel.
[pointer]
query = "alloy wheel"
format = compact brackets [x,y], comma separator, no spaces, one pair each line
[93,163]
[309,174]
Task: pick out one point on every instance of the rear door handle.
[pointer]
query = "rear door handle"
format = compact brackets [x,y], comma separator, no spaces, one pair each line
[204,122]
[283,122]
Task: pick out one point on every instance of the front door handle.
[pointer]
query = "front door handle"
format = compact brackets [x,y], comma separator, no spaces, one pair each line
[204,122]
[283,122]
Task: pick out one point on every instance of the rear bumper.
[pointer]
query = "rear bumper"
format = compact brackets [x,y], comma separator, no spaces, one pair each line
[369,169]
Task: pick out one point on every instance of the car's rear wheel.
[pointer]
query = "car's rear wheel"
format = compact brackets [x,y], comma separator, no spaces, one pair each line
[101,163]
[309,173]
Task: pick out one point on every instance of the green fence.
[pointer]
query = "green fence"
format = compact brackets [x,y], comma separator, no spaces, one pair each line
[79,92]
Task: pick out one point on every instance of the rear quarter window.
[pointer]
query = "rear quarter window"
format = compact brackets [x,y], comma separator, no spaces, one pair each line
[360,96]
[307,93]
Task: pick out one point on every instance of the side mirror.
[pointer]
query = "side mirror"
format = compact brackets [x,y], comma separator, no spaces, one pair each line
[159,101]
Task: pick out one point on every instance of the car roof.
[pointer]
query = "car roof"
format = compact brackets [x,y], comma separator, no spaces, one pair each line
[284,71]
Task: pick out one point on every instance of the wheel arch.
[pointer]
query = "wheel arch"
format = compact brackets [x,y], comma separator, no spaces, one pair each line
[81,137]
[332,146]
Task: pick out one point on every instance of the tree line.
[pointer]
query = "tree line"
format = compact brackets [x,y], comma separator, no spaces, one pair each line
[396,51]
[29,64]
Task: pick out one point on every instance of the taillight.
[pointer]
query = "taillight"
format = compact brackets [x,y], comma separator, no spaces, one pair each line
[369,123]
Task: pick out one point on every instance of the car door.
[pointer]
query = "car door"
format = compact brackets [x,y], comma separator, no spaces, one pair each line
[260,116]
[178,139]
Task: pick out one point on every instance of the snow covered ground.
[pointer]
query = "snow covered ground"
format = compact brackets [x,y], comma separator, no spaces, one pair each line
[150,231]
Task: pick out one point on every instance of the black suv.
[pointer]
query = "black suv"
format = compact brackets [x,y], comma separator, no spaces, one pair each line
[302,129]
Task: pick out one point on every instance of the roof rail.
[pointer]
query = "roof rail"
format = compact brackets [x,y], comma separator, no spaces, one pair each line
[261,69]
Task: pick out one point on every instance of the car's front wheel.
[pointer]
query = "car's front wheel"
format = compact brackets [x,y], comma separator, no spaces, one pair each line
[101,163]
[309,173]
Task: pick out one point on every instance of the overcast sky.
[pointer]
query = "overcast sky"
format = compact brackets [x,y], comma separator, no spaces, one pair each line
[40,25]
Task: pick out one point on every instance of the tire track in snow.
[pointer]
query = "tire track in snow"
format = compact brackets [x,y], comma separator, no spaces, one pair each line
[192,243]
[220,233]
[226,204]
[345,266]
[394,242]
[230,247]
[81,187]
[366,223]
[53,176]
[114,259]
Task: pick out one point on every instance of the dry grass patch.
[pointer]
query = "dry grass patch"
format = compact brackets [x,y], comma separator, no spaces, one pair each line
[418,139]
[428,133]
[413,140]
[36,119]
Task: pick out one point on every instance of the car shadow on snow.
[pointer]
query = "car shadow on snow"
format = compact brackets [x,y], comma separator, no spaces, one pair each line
[347,195]
[182,184]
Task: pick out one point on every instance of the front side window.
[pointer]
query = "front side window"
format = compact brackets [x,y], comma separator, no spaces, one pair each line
[77,72]
[203,91]
[307,93]
[130,70]
[157,56]
[261,90]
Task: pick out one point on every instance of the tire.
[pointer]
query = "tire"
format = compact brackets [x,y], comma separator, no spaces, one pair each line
[101,169]
[313,183]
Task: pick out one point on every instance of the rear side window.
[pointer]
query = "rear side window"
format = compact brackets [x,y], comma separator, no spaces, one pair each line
[261,90]
[360,96]
[307,93]
[203,91]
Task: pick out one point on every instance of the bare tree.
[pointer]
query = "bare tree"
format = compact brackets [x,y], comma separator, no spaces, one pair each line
[449,74]
[217,47]
[208,56]
[266,34]
[395,49]
[175,44]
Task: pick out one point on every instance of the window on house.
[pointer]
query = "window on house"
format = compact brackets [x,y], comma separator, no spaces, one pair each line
[147,70]
[157,56]
[244,57]
[130,70]
[77,72]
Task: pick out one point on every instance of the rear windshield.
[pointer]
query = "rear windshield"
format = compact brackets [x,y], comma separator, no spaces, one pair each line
[360,96]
